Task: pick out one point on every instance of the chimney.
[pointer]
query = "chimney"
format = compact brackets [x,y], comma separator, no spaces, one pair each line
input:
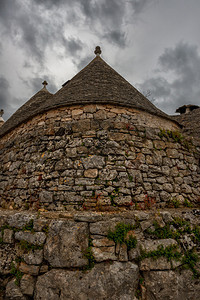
[186,108]
[1,119]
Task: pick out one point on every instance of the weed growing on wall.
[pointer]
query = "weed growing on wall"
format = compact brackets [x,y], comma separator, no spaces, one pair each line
[89,255]
[24,245]
[16,272]
[176,136]
[170,252]
[177,229]
[119,235]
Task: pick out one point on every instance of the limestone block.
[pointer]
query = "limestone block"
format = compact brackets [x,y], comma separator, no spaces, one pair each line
[93,162]
[46,196]
[37,238]
[90,108]
[172,153]
[64,164]
[66,243]
[76,112]
[160,263]
[151,245]
[13,291]
[7,256]
[141,216]
[19,220]
[123,255]
[34,257]
[171,285]
[81,126]
[29,269]
[88,217]
[70,152]
[168,187]
[115,281]
[8,236]
[134,253]
[159,144]
[123,200]
[108,174]
[27,284]
[186,189]
[91,173]
[146,224]
[104,253]
[100,114]
[161,179]
[44,268]
[167,217]
[104,242]
[164,196]
[103,227]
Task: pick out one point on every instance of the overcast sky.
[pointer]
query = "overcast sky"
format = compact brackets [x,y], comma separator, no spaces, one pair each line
[154,44]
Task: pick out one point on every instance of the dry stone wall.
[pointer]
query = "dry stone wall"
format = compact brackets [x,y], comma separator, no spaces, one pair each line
[100,255]
[96,157]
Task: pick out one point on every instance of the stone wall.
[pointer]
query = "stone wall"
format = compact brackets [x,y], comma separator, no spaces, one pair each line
[97,158]
[100,255]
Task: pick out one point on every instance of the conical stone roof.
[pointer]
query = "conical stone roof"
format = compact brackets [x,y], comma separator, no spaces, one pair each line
[31,108]
[97,83]
[190,122]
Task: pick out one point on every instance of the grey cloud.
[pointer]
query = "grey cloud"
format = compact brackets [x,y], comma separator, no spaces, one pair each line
[156,88]
[73,46]
[139,5]
[4,92]
[117,37]
[5,97]
[36,29]
[184,61]
[80,64]
[35,83]
[7,102]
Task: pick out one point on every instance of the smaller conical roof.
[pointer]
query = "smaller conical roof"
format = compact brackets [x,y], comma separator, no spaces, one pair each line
[26,111]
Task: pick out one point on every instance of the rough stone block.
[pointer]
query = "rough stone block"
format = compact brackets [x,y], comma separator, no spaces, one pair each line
[103,227]
[8,236]
[151,245]
[19,220]
[27,284]
[34,257]
[29,269]
[66,243]
[104,242]
[115,281]
[46,196]
[91,173]
[172,285]
[81,125]
[13,291]
[37,238]
[160,263]
[93,162]
[104,253]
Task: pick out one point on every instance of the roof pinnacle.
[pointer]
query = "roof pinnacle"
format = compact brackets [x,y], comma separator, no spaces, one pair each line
[45,83]
[97,51]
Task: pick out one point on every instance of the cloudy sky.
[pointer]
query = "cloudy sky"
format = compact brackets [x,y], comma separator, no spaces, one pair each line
[154,44]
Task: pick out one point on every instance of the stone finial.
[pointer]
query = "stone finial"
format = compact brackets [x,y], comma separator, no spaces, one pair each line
[1,112]
[97,51]
[45,83]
